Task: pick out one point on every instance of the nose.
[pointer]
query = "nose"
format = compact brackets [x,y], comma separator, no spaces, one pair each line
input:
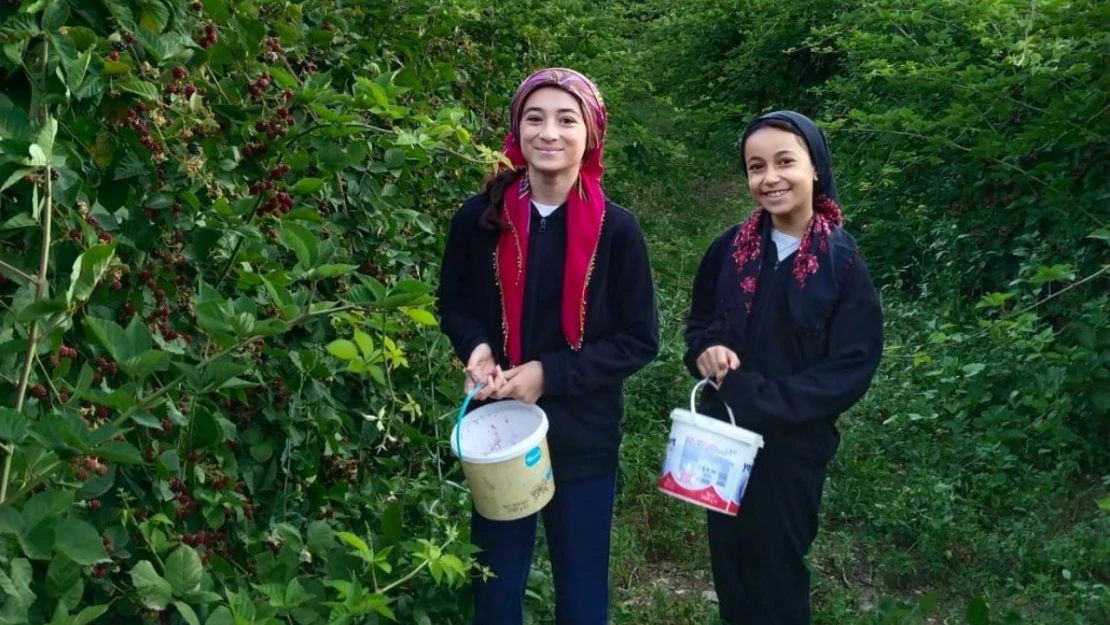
[550,131]
[771,175]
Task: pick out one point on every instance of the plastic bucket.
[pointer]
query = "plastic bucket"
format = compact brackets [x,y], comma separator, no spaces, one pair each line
[708,461]
[505,458]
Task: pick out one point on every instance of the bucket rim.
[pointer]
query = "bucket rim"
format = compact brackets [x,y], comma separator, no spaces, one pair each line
[513,451]
[716,426]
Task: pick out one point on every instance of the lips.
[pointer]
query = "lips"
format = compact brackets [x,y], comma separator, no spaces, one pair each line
[776,194]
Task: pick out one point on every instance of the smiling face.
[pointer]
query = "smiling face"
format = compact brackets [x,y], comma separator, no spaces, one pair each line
[780,174]
[553,133]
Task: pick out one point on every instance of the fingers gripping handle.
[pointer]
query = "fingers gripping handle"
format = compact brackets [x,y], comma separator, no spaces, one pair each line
[693,394]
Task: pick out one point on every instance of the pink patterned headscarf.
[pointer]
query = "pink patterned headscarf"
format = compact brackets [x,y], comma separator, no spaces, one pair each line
[585,213]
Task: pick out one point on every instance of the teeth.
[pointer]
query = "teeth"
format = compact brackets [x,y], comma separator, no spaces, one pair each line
[776,193]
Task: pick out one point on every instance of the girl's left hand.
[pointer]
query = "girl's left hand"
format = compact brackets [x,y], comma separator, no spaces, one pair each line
[523,383]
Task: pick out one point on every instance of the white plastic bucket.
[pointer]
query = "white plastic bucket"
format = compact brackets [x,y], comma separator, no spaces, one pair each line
[708,461]
[505,458]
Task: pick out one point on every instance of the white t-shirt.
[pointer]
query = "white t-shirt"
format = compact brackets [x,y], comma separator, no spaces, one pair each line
[545,209]
[785,243]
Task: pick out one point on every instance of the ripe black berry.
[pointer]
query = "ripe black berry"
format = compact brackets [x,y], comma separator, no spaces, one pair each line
[194,148]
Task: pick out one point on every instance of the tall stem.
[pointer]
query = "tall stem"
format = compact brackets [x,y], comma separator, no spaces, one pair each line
[44,263]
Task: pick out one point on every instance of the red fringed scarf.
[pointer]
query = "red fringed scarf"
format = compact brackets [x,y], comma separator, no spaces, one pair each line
[585,215]
[748,253]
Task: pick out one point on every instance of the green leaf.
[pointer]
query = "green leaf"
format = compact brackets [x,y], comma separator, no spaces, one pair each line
[89,614]
[307,185]
[122,13]
[365,344]
[978,613]
[130,166]
[13,427]
[302,241]
[421,316]
[145,363]
[120,452]
[1104,504]
[110,335]
[217,10]
[154,591]
[1101,234]
[138,87]
[325,272]
[55,15]
[205,240]
[77,70]
[206,430]
[64,581]
[45,505]
[87,271]
[184,571]
[356,542]
[187,613]
[221,616]
[391,523]
[343,349]
[43,308]
[394,157]
[79,541]
[154,16]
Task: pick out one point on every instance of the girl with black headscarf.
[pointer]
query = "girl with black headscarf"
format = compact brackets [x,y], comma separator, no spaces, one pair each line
[784,317]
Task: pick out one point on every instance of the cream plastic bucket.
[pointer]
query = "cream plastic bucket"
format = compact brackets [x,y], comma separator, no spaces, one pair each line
[708,461]
[505,458]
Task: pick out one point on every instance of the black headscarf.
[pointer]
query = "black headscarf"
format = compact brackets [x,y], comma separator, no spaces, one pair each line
[825,254]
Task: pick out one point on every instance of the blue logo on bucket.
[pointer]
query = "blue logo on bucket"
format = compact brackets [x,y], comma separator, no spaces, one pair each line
[533,457]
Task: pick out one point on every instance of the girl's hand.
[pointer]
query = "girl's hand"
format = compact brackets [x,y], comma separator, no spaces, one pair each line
[717,361]
[483,369]
[524,383]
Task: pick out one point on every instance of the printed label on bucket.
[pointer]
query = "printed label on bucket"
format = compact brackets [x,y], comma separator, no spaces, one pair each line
[705,473]
[533,458]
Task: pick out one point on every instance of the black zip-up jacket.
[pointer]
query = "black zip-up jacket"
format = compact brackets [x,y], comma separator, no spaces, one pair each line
[583,391]
[794,381]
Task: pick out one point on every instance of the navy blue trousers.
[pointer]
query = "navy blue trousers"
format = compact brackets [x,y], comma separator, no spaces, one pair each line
[577,524]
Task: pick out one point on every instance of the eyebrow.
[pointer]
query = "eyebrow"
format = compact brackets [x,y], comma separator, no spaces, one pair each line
[540,110]
[779,153]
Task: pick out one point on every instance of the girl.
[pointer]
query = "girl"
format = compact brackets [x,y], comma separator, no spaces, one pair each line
[785,319]
[546,293]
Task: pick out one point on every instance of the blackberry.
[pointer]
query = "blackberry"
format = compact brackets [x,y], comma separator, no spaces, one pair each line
[119,46]
[55,175]
[167,98]
[194,148]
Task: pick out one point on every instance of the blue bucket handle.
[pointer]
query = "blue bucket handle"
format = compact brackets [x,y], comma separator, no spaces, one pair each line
[693,393]
[462,413]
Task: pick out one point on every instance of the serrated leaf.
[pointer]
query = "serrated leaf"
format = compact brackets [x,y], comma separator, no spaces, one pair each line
[302,241]
[45,505]
[43,308]
[130,166]
[79,541]
[217,10]
[120,452]
[55,16]
[154,16]
[307,185]
[343,349]
[154,591]
[13,427]
[365,344]
[122,13]
[87,271]
[356,542]
[184,571]
[221,616]
[421,316]
[77,70]
[138,87]
[64,581]
[109,335]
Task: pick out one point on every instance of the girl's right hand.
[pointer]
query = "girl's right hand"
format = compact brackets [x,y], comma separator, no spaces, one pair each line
[717,361]
[482,368]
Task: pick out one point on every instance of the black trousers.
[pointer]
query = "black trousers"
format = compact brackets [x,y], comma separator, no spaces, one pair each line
[758,556]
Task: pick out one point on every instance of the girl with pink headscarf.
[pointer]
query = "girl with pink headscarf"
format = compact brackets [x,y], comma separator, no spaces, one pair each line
[546,294]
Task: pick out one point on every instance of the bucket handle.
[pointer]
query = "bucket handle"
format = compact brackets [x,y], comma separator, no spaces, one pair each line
[694,392]
[462,413]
